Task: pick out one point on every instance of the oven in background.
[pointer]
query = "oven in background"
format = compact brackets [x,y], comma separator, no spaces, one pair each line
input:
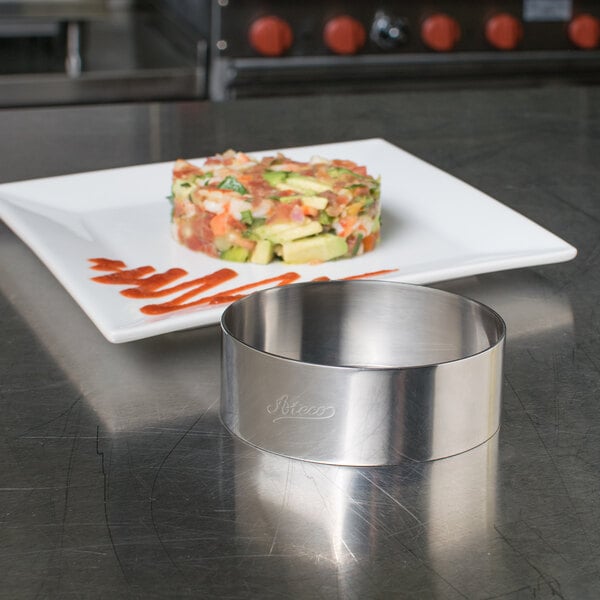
[77,51]
[270,47]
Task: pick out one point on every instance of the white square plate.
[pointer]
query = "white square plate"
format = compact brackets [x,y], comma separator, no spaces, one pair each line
[435,227]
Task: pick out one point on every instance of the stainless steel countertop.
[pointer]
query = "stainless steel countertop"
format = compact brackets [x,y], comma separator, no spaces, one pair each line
[118,479]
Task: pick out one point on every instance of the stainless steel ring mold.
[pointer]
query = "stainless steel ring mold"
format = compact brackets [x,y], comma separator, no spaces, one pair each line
[361,372]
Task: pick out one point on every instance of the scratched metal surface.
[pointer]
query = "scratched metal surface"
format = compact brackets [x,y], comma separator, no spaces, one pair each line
[117,479]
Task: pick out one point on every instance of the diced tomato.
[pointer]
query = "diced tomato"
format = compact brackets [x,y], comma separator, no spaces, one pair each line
[370,241]
[200,237]
[178,210]
[320,171]
[347,224]
[310,211]
[239,240]
[282,212]
[220,223]
[350,165]
[360,191]
[244,178]
[183,169]
[291,166]
[333,210]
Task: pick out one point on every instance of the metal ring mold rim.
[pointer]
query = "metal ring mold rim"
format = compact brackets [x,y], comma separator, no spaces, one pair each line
[483,307]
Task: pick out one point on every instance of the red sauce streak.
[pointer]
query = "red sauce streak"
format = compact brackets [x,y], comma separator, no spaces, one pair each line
[220,298]
[106,264]
[148,284]
[371,274]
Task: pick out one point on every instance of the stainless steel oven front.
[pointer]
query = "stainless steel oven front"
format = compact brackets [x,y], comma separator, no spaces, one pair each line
[78,51]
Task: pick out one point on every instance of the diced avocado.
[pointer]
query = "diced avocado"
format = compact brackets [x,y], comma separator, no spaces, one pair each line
[262,253]
[267,231]
[222,243]
[318,202]
[288,199]
[301,231]
[339,171]
[303,184]
[318,248]
[324,218]
[278,233]
[256,222]
[181,187]
[366,200]
[203,179]
[236,254]
[275,177]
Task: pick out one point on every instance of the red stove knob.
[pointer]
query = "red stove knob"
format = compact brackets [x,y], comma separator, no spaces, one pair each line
[584,31]
[344,35]
[440,32]
[503,31]
[270,36]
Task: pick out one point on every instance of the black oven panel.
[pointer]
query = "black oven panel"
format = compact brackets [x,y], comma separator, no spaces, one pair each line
[342,41]
[312,28]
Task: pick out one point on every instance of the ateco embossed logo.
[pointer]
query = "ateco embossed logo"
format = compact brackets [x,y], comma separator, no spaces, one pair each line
[284,408]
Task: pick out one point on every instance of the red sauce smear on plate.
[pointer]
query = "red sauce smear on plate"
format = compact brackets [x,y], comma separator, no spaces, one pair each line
[149,284]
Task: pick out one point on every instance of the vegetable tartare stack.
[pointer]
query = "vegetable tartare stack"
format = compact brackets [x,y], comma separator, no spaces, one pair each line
[238,208]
